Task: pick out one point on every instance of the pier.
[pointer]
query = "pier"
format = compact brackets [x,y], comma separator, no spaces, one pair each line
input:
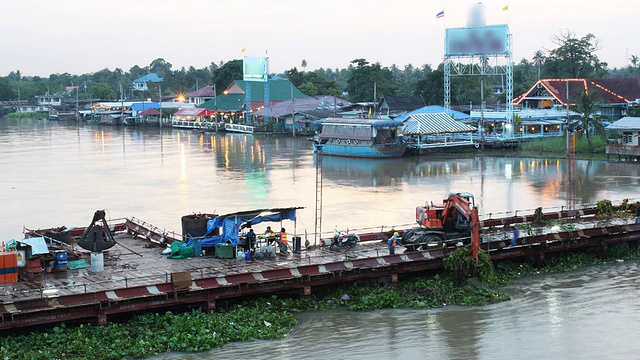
[138,277]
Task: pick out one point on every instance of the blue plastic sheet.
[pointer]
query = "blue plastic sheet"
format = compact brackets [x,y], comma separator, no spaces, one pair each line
[232,224]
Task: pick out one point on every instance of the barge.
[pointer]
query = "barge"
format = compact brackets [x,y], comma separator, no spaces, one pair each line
[137,276]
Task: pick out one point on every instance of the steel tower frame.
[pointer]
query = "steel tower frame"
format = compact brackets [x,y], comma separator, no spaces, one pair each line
[483,65]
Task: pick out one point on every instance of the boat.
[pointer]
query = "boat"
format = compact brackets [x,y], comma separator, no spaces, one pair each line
[237,128]
[368,138]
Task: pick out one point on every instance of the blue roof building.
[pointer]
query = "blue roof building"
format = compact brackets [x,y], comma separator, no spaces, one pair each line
[433,109]
[140,84]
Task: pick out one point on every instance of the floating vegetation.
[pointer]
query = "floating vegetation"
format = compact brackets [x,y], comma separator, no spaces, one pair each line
[462,283]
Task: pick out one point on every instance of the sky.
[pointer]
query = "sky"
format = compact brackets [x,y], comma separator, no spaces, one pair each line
[43,37]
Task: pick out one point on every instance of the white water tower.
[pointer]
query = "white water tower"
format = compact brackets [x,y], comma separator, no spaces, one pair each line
[477,15]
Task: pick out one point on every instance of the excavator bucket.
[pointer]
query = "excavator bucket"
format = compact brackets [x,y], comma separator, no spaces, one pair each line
[97,237]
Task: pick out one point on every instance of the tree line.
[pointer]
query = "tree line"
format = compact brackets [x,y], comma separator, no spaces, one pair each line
[572,57]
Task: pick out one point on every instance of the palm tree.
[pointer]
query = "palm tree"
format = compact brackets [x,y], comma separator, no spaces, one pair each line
[303,64]
[538,57]
[634,60]
[587,106]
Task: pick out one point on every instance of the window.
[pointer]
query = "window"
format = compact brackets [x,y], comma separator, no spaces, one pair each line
[627,137]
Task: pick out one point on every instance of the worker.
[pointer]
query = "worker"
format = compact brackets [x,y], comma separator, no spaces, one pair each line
[284,250]
[269,235]
[251,239]
[393,242]
[516,234]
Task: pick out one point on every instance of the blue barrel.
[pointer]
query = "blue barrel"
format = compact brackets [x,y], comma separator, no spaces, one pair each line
[197,247]
[60,263]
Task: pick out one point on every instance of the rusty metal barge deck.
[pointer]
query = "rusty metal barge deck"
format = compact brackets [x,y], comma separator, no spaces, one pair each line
[132,283]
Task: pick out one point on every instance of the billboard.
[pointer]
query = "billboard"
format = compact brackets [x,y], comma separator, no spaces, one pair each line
[255,68]
[480,40]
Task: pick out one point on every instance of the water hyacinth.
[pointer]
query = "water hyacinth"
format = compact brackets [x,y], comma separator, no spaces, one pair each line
[270,318]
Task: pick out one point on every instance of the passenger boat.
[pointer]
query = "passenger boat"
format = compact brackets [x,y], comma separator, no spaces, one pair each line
[369,138]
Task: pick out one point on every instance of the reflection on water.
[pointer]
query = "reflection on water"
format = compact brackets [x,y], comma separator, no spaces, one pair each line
[59,174]
[587,314]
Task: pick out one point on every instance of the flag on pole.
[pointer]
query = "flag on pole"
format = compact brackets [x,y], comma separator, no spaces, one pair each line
[505,8]
[440,14]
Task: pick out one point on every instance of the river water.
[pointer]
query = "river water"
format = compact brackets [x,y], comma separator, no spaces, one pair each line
[59,174]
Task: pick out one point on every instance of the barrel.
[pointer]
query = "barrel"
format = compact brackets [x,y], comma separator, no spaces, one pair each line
[97,262]
[197,247]
[60,263]
[297,244]
[8,267]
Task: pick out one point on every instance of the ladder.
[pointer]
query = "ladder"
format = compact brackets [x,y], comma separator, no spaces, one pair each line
[572,146]
[318,215]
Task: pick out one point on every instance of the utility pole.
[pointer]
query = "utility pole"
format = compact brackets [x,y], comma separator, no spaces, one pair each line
[215,105]
[482,113]
[567,121]
[293,112]
[160,94]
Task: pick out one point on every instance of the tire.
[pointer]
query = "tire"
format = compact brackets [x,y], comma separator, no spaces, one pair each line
[430,239]
[407,235]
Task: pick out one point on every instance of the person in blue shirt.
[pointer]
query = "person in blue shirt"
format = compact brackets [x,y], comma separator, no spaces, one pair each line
[251,239]
[516,234]
[393,242]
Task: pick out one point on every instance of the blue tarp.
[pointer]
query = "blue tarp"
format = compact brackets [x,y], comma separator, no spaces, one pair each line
[146,105]
[232,224]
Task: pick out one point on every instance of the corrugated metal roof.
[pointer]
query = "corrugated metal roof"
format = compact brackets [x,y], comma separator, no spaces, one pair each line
[435,123]
[206,91]
[626,123]
[38,245]
[153,77]
[435,109]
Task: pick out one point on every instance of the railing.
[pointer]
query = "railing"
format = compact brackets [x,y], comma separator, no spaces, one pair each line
[627,150]
[239,128]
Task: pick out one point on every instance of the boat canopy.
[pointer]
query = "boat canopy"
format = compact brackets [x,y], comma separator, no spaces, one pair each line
[374,123]
[232,224]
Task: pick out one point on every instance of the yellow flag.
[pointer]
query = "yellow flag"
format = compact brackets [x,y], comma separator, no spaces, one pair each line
[244,49]
[369,115]
[505,8]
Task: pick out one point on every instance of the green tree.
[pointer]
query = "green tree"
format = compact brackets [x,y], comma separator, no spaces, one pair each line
[364,76]
[431,87]
[587,105]
[6,90]
[303,64]
[296,77]
[574,57]
[308,88]
[227,73]
[538,58]
[102,91]
[160,67]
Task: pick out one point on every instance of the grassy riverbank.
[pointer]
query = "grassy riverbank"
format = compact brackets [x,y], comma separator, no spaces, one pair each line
[558,146]
[272,318]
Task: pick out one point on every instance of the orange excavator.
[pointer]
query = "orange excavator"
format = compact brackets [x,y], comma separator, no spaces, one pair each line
[454,221]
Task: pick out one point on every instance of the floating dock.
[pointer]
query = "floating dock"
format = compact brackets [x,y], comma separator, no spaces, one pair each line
[138,277]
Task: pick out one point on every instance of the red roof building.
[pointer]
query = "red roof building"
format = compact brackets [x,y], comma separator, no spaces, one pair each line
[614,94]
